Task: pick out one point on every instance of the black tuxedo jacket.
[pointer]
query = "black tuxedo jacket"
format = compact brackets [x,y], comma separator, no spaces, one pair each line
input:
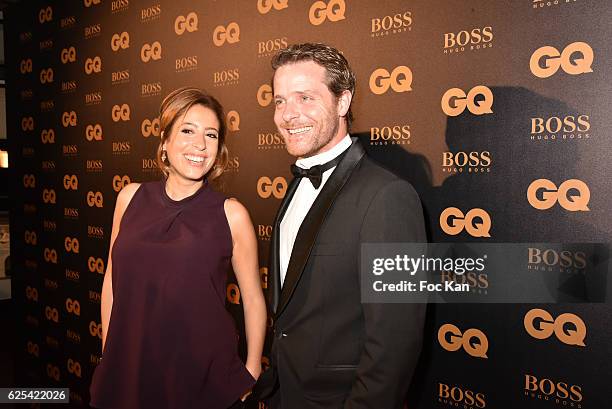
[329,349]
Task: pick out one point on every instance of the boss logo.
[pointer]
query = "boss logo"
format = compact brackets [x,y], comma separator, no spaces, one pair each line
[119,182]
[92,31]
[454,101]
[149,165]
[552,60]
[226,76]
[229,34]
[186,63]
[476,37]
[93,65]
[548,258]
[46,106]
[120,41]
[71,182]
[119,5]
[73,306]
[269,141]
[25,66]
[67,22]
[187,23]
[150,89]
[473,341]
[95,265]
[264,6]
[119,77]
[45,44]
[45,15]
[51,284]
[397,22]
[72,275]
[395,134]
[568,328]
[264,232]
[95,329]
[550,195]
[69,119]
[320,11]
[69,86]
[49,225]
[53,372]
[27,123]
[70,150]
[71,245]
[150,127]
[456,396]
[93,132]
[566,124]
[150,13]
[96,232]
[399,80]
[474,161]
[264,95]
[27,152]
[74,367]
[233,293]
[120,113]
[453,222]
[93,98]
[233,121]
[52,314]
[26,94]
[31,294]
[121,147]
[71,213]
[25,37]
[94,165]
[270,46]
[267,187]
[46,76]
[151,51]
[73,336]
[233,164]
[29,181]
[49,196]
[47,165]
[29,209]
[560,390]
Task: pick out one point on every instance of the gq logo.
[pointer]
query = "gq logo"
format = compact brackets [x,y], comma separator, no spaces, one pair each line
[89,3]
[25,66]
[451,339]
[33,349]
[29,181]
[320,11]
[69,119]
[230,33]
[49,196]
[71,182]
[95,329]
[71,245]
[264,95]
[93,132]
[50,255]
[151,51]
[120,113]
[46,76]
[233,121]
[52,314]
[30,237]
[150,127]
[45,15]
[95,199]
[264,6]
[553,60]
[267,187]
[93,65]
[95,265]
[454,101]
[187,23]
[73,306]
[74,367]
[53,372]
[120,41]
[546,326]
[551,195]
[399,80]
[453,221]
[119,182]
[27,123]
[68,55]
[32,294]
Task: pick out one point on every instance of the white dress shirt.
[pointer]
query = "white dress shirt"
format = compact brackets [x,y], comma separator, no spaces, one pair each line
[302,200]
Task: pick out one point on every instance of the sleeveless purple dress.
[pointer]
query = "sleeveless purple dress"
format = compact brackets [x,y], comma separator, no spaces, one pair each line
[171,343]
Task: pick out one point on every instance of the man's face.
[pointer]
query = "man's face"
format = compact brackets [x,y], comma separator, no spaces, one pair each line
[306,112]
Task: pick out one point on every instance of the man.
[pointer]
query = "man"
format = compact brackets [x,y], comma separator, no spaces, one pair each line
[329,349]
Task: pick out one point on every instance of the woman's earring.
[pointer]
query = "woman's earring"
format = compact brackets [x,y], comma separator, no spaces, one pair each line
[163,156]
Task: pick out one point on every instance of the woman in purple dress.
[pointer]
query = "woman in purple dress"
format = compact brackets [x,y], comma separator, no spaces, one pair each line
[168,341]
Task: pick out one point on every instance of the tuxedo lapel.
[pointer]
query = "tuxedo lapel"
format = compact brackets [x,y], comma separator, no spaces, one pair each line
[309,229]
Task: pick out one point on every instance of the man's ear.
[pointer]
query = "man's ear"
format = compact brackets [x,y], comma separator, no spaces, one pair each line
[344,102]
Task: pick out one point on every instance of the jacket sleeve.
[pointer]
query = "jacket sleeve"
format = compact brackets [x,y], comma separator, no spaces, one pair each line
[393,332]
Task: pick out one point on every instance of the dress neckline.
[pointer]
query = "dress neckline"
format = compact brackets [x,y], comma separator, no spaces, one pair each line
[167,199]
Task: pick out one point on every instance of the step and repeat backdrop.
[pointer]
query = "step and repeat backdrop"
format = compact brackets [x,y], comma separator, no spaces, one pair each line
[497,112]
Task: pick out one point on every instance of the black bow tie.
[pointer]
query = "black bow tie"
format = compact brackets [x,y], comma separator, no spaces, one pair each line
[315,173]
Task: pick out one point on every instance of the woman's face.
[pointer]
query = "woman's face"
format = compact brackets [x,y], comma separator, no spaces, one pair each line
[193,143]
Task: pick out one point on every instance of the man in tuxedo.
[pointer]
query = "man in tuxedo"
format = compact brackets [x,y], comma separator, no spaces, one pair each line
[329,349]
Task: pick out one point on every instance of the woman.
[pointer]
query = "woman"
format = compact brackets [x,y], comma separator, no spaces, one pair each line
[168,341]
